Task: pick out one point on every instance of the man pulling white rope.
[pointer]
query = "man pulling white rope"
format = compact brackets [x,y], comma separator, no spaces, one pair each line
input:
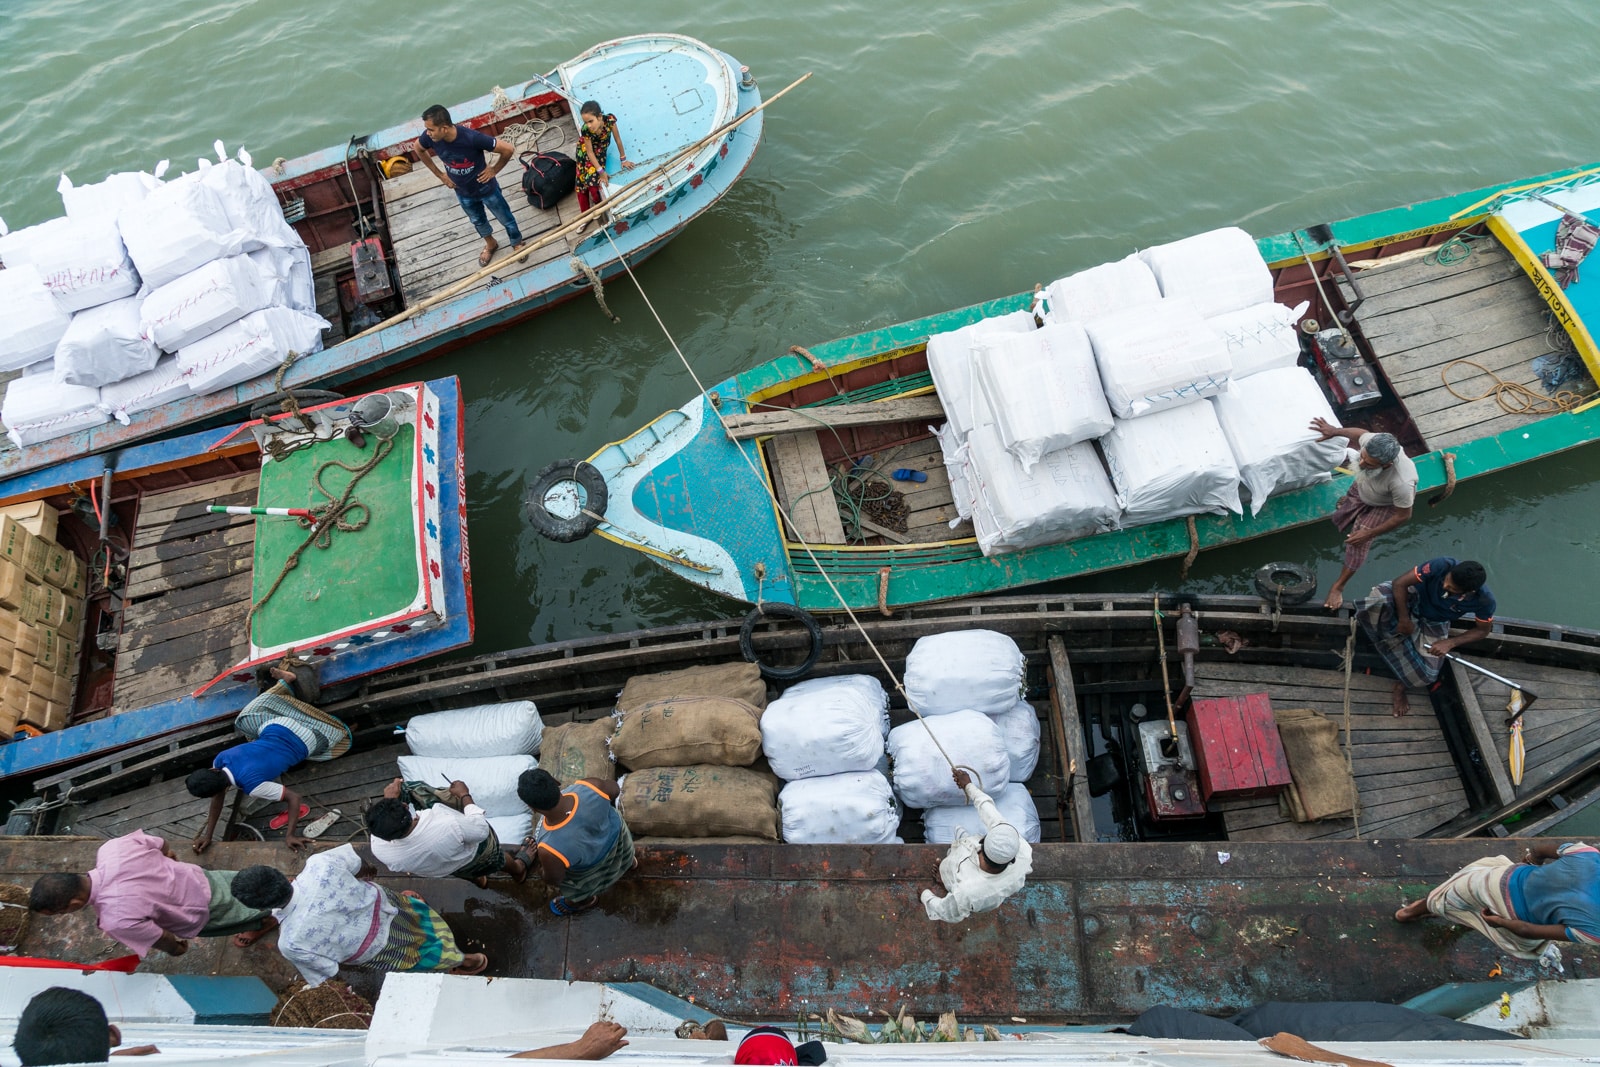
[979,872]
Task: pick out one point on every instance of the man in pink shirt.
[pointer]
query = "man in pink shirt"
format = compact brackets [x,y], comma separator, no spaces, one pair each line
[145,898]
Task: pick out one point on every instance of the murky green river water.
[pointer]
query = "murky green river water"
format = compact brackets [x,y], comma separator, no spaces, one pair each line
[945,153]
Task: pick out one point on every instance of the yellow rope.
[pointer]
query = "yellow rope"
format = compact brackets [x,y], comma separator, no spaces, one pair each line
[1513,397]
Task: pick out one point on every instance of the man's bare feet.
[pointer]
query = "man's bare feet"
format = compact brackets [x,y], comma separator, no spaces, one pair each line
[1410,913]
[250,937]
[489,245]
[482,881]
[1400,705]
[472,963]
[1335,600]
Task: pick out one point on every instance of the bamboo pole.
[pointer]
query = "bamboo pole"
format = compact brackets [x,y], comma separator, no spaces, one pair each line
[472,279]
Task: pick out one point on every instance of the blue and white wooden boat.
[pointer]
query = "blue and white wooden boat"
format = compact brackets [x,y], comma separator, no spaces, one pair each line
[167,636]
[675,99]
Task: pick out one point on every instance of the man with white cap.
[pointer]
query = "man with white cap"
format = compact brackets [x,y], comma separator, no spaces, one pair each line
[979,872]
[1379,500]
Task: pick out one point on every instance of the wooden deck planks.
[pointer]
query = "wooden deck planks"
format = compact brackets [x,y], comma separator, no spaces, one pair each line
[805,488]
[1421,315]
[1405,776]
[435,244]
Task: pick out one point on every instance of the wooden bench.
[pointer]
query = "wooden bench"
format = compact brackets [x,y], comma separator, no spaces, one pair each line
[803,483]
[799,420]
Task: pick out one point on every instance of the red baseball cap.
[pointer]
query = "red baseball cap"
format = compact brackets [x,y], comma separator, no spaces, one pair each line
[765,1045]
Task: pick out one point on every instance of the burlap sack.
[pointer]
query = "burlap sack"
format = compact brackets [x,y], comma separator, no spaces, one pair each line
[700,801]
[688,730]
[578,750]
[1321,786]
[738,681]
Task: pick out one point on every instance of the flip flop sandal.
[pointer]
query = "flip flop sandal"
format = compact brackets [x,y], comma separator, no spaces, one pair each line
[562,906]
[280,820]
[484,966]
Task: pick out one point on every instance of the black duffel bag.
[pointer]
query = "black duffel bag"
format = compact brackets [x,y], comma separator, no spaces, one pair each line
[547,177]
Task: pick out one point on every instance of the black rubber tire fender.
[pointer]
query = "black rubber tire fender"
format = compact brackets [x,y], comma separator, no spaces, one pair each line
[579,526]
[306,398]
[779,610]
[1286,583]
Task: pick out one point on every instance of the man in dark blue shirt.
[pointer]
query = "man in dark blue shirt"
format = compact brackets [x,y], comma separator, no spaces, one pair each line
[1408,619]
[469,175]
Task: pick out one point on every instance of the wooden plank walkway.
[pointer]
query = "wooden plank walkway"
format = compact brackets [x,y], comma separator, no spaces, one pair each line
[436,246]
[1405,776]
[188,592]
[1420,316]
[1562,727]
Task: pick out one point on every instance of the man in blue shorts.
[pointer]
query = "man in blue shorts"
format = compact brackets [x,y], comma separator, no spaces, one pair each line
[468,173]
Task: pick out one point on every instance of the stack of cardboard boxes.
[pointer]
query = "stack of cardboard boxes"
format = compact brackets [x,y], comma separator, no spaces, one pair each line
[41,619]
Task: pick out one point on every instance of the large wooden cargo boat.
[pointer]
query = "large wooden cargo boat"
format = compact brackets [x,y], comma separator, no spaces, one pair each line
[1444,299]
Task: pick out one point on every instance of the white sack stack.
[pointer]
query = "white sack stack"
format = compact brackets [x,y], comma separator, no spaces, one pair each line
[1157,356]
[1175,462]
[977,670]
[1019,728]
[254,345]
[178,227]
[854,808]
[492,780]
[1266,419]
[104,344]
[513,728]
[38,409]
[138,394]
[1102,290]
[1014,802]
[203,301]
[1260,337]
[955,375]
[33,321]
[83,261]
[286,272]
[826,726]
[922,775]
[1043,388]
[1220,270]
[1067,496]
[105,199]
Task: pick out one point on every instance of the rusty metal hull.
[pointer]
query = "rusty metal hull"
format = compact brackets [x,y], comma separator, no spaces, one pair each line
[1100,933]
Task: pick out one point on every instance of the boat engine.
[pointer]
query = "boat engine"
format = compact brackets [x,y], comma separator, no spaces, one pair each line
[373,281]
[1352,382]
[1171,787]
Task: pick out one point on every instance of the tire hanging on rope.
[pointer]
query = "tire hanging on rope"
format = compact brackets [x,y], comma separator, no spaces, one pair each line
[779,610]
[566,500]
[1286,583]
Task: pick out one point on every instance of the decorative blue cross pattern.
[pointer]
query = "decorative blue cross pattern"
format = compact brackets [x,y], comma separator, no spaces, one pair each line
[433,531]
[427,453]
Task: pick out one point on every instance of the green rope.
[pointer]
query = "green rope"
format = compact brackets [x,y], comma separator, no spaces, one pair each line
[1456,249]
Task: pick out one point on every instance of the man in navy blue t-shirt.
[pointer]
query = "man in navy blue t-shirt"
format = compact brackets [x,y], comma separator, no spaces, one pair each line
[461,149]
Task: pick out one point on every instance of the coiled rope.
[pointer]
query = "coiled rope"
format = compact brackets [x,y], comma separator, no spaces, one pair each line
[1514,398]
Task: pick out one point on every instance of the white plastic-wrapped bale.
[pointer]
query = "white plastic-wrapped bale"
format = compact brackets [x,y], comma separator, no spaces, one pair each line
[1260,337]
[251,206]
[104,344]
[286,274]
[105,199]
[1102,290]
[492,780]
[1157,356]
[1043,388]
[826,726]
[1065,497]
[954,451]
[252,346]
[133,396]
[1176,462]
[203,301]
[509,729]
[853,808]
[178,227]
[36,409]
[922,776]
[955,376]
[1220,270]
[33,321]
[976,670]
[1266,419]
[82,261]
[511,830]
[1019,728]
[1013,801]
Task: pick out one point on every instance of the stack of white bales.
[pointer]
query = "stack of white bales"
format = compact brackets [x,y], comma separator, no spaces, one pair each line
[824,738]
[487,747]
[202,268]
[966,687]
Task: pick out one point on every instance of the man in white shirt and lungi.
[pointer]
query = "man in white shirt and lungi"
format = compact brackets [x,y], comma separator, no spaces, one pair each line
[979,872]
[430,833]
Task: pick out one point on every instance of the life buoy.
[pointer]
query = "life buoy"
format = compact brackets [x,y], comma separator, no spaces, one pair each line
[1286,583]
[780,610]
[566,500]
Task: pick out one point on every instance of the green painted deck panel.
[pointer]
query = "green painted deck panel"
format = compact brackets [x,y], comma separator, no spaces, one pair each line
[363,575]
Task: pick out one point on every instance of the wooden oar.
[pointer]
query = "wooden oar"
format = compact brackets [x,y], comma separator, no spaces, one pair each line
[562,231]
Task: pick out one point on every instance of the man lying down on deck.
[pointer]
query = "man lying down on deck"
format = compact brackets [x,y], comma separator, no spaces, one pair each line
[283,733]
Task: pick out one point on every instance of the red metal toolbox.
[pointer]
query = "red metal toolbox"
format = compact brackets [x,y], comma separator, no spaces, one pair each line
[1236,747]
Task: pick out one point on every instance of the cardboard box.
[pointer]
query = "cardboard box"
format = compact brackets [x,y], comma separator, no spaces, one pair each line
[20,546]
[14,694]
[9,624]
[43,713]
[77,579]
[43,683]
[68,665]
[27,641]
[13,585]
[49,652]
[8,720]
[35,516]
[63,691]
[57,566]
[21,668]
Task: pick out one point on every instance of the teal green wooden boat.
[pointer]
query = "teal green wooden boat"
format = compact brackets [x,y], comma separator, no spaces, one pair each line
[1445,298]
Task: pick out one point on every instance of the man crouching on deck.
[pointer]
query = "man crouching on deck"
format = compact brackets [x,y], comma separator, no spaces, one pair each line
[1413,641]
[980,872]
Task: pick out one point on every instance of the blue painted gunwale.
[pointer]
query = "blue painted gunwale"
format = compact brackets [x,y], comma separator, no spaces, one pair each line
[481,311]
[222,701]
